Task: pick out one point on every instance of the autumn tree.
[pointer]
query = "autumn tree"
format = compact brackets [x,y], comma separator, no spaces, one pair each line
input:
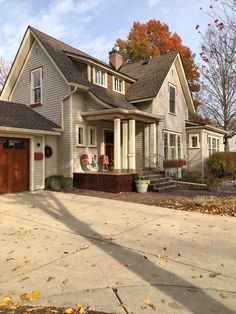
[4,69]
[154,38]
[219,71]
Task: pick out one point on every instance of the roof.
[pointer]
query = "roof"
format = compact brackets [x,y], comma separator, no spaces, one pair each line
[56,49]
[15,115]
[150,75]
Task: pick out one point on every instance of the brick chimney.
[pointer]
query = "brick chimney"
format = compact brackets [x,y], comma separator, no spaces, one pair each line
[115,59]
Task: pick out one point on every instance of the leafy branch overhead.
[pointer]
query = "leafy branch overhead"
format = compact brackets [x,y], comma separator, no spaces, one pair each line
[151,39]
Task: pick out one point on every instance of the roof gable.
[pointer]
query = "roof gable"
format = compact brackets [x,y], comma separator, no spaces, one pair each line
[151,74]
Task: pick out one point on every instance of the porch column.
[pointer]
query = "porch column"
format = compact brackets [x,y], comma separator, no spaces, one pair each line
[117,145]
[153,144]
[125,145]
[146,145]
[132,165]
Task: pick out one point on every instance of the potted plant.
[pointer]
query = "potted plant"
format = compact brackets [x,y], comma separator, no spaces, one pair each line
[141,185]
[174,163]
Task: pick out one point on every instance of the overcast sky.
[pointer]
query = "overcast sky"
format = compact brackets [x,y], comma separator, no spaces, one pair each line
[94,25]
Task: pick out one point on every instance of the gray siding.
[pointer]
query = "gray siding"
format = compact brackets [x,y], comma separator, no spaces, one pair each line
[174,123]
[51,162]
[83,102]
[38,164]
[54,87]
[64,142]
[139,140]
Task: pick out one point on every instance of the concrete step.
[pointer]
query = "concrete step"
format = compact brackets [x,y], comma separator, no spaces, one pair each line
[165,188]
[153,177]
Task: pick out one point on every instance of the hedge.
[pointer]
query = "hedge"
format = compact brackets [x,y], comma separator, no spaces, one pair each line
[222,164]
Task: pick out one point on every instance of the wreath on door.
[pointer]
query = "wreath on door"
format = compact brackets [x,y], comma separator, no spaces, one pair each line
[48,151]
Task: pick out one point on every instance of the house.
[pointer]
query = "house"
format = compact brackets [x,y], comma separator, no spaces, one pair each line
[232,141]
[66,112]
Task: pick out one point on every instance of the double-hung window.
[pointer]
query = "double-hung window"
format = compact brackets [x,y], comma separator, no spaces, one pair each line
[100,77]
[213,145]
[172,99]
[36,86]
[80,136]
[92,136]
[118,85]
[172,146]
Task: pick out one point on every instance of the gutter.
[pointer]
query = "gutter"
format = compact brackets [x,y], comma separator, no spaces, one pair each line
[29,131]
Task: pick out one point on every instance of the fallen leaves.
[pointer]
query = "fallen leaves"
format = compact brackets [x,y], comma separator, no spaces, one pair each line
[146,301]
[30,297]
[224,206]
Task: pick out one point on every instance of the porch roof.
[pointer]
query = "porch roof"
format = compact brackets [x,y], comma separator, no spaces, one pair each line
[123,114]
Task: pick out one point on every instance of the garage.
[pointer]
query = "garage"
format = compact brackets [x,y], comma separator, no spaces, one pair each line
[14,164]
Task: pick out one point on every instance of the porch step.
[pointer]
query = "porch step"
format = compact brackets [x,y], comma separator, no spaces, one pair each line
[167,187]
[158,181]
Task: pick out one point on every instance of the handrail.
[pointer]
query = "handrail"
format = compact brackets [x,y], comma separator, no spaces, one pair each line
[153,162]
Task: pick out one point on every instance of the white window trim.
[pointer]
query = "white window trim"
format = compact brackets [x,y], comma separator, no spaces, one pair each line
[190,141]
[210,148]
[113,85]
[175,87]
[95,129]
[176,144]
[94,77]
[77,135]
[31,87]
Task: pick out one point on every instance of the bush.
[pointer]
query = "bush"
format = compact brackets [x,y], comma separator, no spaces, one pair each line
[222,164]
[199,179]
[58,182]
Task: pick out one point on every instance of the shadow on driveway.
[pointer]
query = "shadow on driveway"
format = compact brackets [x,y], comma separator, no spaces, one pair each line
[146,269]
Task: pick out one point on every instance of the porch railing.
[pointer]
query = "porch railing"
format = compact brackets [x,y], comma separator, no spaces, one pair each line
[154,162]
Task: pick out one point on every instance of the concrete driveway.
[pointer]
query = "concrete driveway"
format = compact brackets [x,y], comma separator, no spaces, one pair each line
[106,253]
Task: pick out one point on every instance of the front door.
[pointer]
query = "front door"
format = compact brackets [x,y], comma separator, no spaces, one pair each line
[109,147]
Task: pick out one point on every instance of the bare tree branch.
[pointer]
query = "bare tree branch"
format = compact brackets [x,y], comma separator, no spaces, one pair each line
[4,69]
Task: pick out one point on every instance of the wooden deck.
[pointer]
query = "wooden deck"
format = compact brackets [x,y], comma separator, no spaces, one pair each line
[105,181]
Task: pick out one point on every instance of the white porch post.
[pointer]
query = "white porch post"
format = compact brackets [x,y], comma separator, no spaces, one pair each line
[146,145]
[132,164]
[117,145]
[125,145]
[153,144]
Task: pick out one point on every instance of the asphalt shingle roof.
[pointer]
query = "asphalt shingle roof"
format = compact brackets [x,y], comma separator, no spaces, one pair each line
[57,49]
[150,75]
[17,115]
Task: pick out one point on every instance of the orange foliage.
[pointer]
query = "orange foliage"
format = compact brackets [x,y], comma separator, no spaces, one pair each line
[154,38]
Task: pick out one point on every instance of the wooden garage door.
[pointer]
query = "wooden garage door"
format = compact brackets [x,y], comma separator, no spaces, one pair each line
[14,165]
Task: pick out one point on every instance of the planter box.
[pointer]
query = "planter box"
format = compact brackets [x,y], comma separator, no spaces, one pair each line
[174,164]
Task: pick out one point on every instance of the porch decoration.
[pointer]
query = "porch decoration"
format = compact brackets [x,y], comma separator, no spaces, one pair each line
[175,163]
[141,185]
[48,151]
[84,160]
[104,160]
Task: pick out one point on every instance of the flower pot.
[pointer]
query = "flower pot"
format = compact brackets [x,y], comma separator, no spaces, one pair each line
[174,164]
[141,187]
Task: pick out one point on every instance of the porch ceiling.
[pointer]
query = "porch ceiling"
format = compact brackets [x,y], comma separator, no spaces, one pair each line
[123,114]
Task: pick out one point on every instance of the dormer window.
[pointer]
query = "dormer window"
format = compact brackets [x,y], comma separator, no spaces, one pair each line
[36,86]
[118,84]
[100,77]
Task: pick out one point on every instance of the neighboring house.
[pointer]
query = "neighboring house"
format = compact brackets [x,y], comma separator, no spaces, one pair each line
[232,141]
[135,114]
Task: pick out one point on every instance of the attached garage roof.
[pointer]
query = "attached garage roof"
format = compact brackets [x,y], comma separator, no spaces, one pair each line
[15,115]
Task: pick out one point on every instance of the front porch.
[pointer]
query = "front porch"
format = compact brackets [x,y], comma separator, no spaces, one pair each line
[131,142]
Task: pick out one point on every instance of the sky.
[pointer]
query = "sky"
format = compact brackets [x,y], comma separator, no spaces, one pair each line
[94,25]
